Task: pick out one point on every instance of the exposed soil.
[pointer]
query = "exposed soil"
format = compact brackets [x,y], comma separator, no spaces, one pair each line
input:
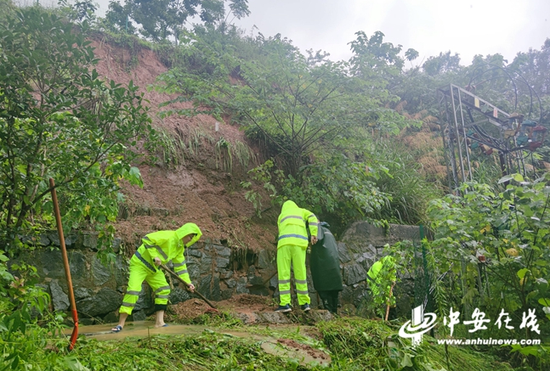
[198,190]
[244,304]
[190,309]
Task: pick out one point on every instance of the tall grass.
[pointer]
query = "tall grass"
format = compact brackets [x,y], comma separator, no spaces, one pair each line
[172,148]
[228,153]
[176,149]
[224,158]
[406,183]
[196,140]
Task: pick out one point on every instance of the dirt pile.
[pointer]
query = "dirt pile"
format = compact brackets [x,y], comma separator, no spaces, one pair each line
[197,190]
[243,304]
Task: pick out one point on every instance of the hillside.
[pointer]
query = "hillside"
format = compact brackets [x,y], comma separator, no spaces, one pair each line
[199,189]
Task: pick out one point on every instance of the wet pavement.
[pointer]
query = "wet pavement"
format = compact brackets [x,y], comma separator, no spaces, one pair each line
[135,329]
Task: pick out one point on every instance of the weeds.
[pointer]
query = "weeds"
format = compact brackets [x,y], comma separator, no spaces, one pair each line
[172,148]
[244,154]
[221,320]
[226,152]
[196,138]
[353,343]
[409,191]
[224,158]
[207,351]
[359,344]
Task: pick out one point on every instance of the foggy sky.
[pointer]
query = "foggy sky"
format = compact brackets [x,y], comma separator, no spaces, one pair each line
[466,27]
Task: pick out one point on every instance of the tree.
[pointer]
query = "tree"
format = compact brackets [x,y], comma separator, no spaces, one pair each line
[117,18]
[441,64]
[376,60]
[59,120]
[377,67]
[160,19]
[78,12]
[298,105]
[534,69]
[418,87]
[312,116]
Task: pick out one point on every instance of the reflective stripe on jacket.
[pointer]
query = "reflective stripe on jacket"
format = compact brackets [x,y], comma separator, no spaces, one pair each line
[168,246]
[292,225]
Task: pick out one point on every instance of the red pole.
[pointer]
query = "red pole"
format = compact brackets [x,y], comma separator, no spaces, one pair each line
[74,335]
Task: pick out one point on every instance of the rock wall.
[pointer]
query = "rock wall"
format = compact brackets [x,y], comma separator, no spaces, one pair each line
[361,245]
[216,270]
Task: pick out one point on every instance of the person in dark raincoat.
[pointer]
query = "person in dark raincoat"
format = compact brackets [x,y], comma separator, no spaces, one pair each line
[324,265]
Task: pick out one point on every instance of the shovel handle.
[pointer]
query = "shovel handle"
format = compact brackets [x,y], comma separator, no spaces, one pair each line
[265,282]
[166,269]
[57,213]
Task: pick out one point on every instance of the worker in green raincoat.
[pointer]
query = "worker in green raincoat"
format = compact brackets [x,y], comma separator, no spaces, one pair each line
[157,248]
[292,244]
[382,277]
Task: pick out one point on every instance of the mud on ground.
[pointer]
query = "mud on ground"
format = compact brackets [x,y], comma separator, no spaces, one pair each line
[245,304]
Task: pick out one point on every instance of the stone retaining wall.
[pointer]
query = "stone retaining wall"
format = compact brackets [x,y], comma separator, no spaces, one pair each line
[216,270]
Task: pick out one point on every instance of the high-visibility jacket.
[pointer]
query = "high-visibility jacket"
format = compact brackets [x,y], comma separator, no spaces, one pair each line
[376,284]
[168,246]
[292,225]
[387,263]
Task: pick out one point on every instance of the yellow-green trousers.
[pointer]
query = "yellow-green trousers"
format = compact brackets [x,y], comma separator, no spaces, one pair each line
[139,273]
[295,255]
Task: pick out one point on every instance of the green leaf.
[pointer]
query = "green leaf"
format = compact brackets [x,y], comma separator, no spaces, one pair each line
[529,350]
[505,179]
[406,361]
[518,178]
[522,272]
[134,177]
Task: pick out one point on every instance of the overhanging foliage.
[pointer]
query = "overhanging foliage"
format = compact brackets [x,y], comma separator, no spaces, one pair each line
[59,120]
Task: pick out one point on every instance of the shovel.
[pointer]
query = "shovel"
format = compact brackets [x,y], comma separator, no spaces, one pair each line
[166,269]
[264,283]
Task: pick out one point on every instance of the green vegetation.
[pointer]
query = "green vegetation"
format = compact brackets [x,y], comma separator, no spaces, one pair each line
[161,19]
[299,109]
[172,148]
[352,343]
[60,120]
[340,136]
[490,254]
[358,344]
